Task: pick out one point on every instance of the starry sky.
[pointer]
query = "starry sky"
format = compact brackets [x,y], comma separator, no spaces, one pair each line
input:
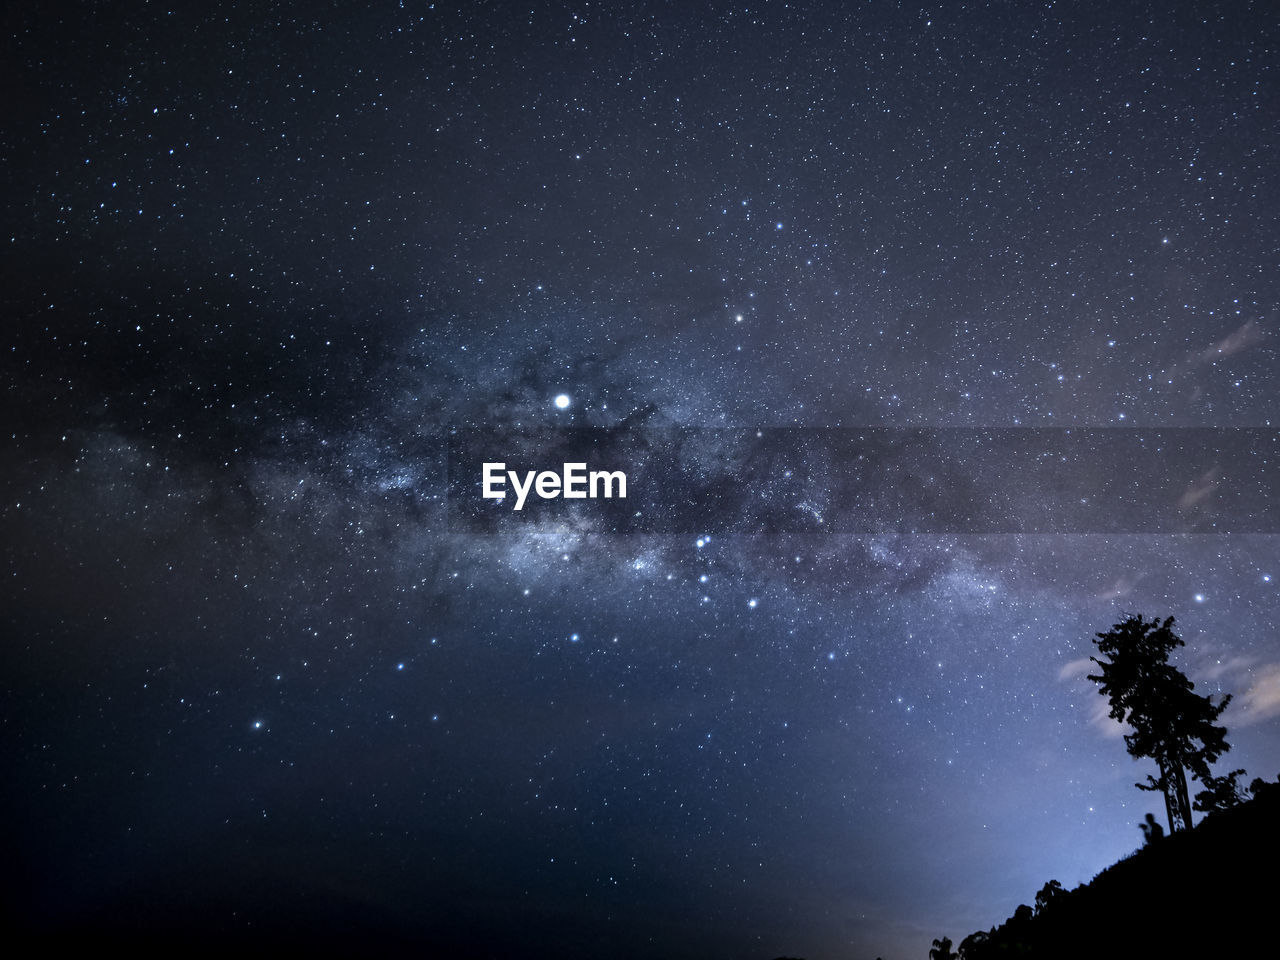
[265,262]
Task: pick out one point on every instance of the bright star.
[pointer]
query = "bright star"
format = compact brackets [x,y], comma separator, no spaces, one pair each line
[562,401]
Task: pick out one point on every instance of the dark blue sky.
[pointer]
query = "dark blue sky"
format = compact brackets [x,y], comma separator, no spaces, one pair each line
[263,259]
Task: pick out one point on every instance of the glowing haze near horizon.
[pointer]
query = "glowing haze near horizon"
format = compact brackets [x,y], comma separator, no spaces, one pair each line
[260,259]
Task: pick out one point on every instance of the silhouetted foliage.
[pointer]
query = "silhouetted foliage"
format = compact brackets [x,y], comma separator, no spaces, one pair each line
[1170,723]
[971,947]
[1259,786]
[942,950]
[1195,894]
[1151,831]
[1048,893]
[1221,793]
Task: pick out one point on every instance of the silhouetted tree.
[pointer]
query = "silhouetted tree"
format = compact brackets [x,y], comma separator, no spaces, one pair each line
[1140,906]
[942,950]
[1170,723]
[1258,786]
[973,946]
[1048,893]
[1221,793]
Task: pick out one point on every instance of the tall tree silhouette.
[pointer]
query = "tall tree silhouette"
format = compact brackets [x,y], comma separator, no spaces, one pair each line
[942,950]
[1170,723]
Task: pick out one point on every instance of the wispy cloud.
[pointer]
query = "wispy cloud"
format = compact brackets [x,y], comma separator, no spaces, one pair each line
[1231,667]
[1122,587]
[1100,718]
[1244,337]
[1074,669]
[1247,335]
[1262,700]
[1199,489]
[1098,712]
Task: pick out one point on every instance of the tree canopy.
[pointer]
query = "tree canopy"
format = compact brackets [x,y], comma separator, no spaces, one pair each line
[1169,722]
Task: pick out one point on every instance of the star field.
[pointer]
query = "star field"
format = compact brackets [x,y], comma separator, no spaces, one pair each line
[265,259]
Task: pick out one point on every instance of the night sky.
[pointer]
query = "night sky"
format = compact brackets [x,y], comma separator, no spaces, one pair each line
[264,261]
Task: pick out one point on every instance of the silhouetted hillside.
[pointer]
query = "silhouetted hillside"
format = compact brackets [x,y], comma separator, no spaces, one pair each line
[1206,892]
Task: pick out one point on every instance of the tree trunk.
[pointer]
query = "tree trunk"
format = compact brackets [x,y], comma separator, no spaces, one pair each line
[1184,801]
[1173,784]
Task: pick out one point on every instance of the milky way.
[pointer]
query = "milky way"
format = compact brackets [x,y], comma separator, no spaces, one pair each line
[263,263]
